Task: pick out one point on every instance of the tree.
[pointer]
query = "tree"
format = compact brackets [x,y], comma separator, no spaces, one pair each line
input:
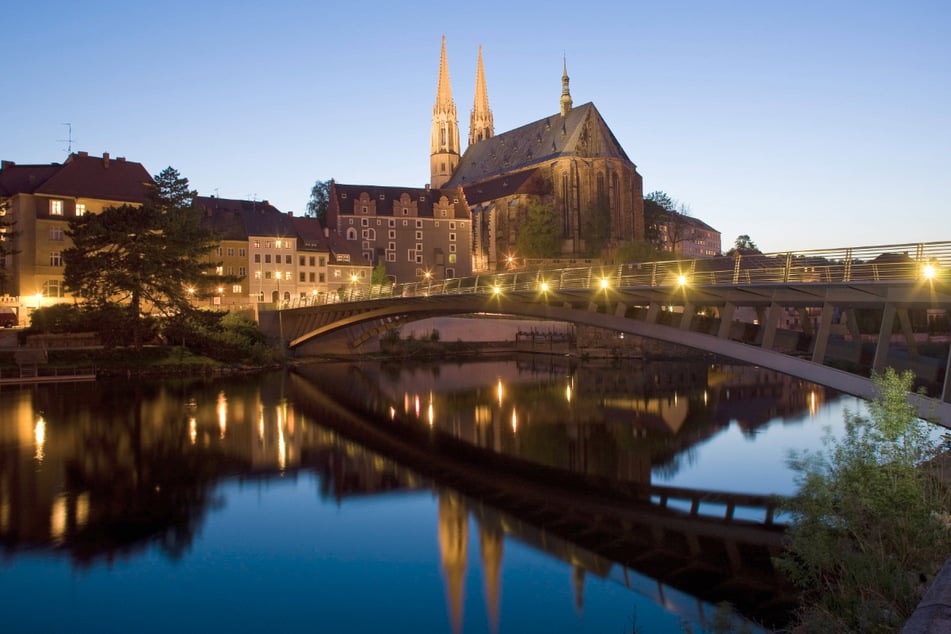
[597,228]
[319,201]
[743,245]
[635,251]
[379,276]
[869,523]
[7,240]
[142,257]
[538,237]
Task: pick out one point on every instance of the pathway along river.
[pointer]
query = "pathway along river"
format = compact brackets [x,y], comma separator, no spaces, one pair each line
[485,496]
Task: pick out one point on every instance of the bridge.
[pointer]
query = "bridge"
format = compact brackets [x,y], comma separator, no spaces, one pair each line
[833,317]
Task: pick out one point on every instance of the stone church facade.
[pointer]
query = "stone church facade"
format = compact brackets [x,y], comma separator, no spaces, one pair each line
[467,219]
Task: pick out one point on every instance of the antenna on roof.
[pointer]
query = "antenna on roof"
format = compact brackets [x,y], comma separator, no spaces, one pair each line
[69,138]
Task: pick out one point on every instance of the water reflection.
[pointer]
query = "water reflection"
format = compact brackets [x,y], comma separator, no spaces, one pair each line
[104,474]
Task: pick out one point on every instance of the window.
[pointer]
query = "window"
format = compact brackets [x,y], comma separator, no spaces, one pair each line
[419,246]
[391,256]
[52,288]
[351,233]
[218,252]
[323,261]
[452,237]
[411,256]
[391,222]
[419,258]
[366,245]
[405,223]
[267,258]
[350,220]
[80,209]
[231,251]
[311,276]
[56,258]
[219,270]
[257,275]
[301,260]
[303,276]
[236,289]
[56,207]
[452,248]
[405,211]
[56,233]
[452,226]
[452,258]
[379,221]
[322,277]
[287,276]
[257,258]
[450,272]
[241,252]
[419,235]
[242,271]
[364,222]
[419,224]
[443,213]
[336,273]
[287,258]
[391,246]
[267,275]
[257,244]
[436,224]
[267,244]
[364,209]
[312,260]
[391,234]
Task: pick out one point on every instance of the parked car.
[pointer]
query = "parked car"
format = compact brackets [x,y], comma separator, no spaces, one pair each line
[8,317]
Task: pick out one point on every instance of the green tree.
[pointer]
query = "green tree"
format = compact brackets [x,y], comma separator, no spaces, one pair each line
[7,240]
[538,237]
[636,251]
[319,201]
[743,245]
[379,273]
[869,523]
[597,227]
[142,257]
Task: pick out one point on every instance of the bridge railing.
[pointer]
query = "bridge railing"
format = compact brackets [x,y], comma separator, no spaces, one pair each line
[913,261]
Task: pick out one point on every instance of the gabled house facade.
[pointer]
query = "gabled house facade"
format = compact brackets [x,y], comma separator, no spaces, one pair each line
[42,199]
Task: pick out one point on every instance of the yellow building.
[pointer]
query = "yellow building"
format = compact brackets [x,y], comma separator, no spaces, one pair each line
[42,199]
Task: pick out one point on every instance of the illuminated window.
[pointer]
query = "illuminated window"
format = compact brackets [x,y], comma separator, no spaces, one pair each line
[56,207]
[236,289]
[80,209]
[257,275]
[219,270]
[52,288]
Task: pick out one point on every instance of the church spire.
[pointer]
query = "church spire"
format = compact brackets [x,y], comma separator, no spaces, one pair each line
[444,143]
[565,93]
[481,126]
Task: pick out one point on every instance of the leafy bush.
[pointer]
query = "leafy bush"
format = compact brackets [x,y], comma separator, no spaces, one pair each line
[869,523]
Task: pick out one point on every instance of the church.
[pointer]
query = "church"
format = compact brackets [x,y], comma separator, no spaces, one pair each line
[568,161]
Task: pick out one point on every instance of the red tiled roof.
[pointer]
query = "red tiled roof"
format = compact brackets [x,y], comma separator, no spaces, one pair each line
[81,176]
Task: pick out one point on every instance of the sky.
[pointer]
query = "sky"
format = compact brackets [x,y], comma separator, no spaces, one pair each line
[805,125]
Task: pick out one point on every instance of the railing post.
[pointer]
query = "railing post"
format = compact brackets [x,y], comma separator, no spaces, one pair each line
[788,267]
[736,268]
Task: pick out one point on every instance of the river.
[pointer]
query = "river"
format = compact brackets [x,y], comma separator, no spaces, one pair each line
[503,495]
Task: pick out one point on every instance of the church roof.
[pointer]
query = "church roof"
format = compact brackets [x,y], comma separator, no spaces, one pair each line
[581,133]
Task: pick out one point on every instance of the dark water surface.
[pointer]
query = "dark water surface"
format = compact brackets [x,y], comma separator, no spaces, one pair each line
[490,496]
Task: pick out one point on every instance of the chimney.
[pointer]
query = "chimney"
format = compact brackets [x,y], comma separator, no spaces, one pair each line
[6,164]
[105,160]
[326,232]
[82,154]
[290,214]
[121,159]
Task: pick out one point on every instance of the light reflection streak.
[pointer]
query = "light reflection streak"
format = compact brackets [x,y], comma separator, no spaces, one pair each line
[430,414]
[281,441]
[82,509]
[192,429]
[499,390]
[222,410]
[514,422]
[58,519]
[39,437]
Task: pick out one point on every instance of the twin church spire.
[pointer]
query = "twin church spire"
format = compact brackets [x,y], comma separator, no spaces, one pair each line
[445,150]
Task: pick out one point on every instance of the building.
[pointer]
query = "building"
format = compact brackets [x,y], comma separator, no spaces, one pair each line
[328,268]
[225,218]
[420,233]
[570,161]
[687,237]
[42,199]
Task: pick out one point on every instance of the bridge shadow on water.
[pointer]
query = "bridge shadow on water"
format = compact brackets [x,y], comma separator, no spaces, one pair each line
[622,530]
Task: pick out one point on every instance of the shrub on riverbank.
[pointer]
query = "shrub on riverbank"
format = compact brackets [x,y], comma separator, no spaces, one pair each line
[870,525]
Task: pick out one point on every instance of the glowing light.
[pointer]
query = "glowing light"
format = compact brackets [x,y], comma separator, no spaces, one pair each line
[568,393]
[514,422]
[191,291]
[39,436]
[496,290]
[929,271]
[544,287]
[82,509]
[222,410]
[416,405]
[604,282]
[192,429]
[813,404]
[498,389]
[431,415]
[353,278]
[58,519]
[682,280]
[392,413]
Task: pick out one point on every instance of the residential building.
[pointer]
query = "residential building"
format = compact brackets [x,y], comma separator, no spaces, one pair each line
[419,233]
[687,237]
[225,217]
[313,260]
[42,200]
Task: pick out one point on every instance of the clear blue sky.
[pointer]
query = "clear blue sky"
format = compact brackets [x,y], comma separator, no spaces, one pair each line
[805,124]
